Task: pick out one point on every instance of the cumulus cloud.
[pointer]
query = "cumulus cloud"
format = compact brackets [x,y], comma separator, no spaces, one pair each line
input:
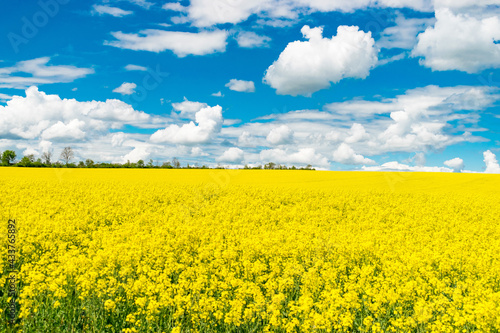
[113,11]
[48,117]
[280,135]
[250,39]
[209,121]
[346,155]
[460,42]
[232,155]
[141,152]
[241,85]
[491,162]
[126,88]
[188,108]
[305,67]
[457,164]
[181,43]
[357,134]
[37,72]
[303,156]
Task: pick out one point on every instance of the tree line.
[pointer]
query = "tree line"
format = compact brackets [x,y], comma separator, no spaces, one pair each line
[47,159]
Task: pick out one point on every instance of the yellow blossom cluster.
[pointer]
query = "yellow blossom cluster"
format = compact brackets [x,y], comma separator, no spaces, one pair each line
[252,251]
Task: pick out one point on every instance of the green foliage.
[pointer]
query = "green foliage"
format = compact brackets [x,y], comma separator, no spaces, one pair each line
[8,157]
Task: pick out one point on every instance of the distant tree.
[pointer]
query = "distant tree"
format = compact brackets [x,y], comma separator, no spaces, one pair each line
[150,163]
[89,163]
[140,163]
[270,165]
[166,165]
[27,160]
[81,164]
[67,155]
[8,157]
[175,163]
[47,157]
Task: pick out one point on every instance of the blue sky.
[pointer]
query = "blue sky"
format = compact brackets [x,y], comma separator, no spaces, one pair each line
[342,85]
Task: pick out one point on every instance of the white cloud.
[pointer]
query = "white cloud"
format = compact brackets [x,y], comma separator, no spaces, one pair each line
[174,6]
[131,67]
[396,166]
[204,13]
[48,117]
[491,162]
[39,73]
[280,135]
[188,108]
[241,85]
[302,157]
[70,131]
[197,151]
[460,42]
[250,39]
[113,11]
[142,152]
[126,88]
[357,134]
[346,155]
[218,94]
[118,139]
[404,34]
[181,43]
[457,164]
[306,67]
[232,155]
[209,122]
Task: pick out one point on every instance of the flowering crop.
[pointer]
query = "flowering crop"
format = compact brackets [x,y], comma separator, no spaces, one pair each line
[251,251]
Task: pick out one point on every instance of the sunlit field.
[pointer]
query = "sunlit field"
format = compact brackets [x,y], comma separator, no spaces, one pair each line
[251,251]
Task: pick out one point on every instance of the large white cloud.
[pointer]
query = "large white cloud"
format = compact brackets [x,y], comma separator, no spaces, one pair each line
[305,67]
[181,43]
[49,117]
[460,42]
[209,121]
[491,162]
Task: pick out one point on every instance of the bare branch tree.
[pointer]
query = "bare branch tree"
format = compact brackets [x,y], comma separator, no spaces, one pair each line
[67,154]
[47,157]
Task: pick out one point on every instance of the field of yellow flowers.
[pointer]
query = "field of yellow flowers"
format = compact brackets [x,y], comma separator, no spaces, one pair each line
[251,251]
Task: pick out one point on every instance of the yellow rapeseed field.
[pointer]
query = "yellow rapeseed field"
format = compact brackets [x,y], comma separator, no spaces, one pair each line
[252,251]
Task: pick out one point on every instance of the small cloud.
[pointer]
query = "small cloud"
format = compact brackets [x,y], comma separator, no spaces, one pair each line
[126,88]
[74,89]
[249,39]
[232,155]
[457,164]
[241,86]
[113,11]
[346,155]
[218,94]
[136,68]
[280,135]
[175,6]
